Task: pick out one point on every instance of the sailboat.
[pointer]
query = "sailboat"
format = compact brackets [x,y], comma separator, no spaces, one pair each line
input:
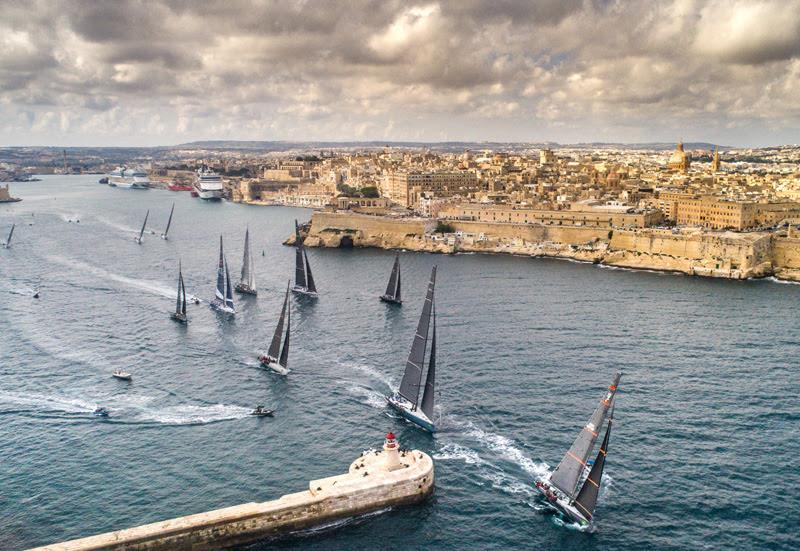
[169,223]
[141,232]
[392,294]
[303,280]
[277,359]
[223,299]
[7,244]
[179,314]
[247,284]
[572,487]
[407,400]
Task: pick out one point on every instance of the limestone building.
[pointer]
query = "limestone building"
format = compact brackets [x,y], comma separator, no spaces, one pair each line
[679,160]
[406,188]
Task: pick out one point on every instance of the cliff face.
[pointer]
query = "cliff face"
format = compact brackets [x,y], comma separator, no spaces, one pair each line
[726,255]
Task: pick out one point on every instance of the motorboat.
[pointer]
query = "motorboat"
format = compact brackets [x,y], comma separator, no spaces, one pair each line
[261,411]
[122,375]
[101,412]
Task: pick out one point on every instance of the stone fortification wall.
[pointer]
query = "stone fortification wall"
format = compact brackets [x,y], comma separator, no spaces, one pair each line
[568,235]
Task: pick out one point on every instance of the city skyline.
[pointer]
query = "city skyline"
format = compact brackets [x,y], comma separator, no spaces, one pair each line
[163,73]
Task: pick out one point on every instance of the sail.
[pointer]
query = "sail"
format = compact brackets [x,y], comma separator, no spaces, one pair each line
[284,359]
[309,278]
[275,345]
[220,293]
[391,287]
[565,477]
[430,380]
[228,291]
[8,241]
[397,295]
[299,265]
[183,298]
[180,286]
[587,497]
[245,280]
[141,232]
[409,386]
[169,220]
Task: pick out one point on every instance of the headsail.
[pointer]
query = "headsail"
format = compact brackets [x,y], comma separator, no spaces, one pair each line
[587,497]
[412,378]
[391,287]
[430,380]
[566,476]
[275,345]
[397,295]
[169,221]
[220,292]
[299,264]
[144,224]
[183,293]
[309,278]
[248,277]
[180,288]
[228,290]
[284,359]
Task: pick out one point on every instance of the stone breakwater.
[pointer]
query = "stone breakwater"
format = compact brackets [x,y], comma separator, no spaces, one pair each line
[375,481]
[690,251]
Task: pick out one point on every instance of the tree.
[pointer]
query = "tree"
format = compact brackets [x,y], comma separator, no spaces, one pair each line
[444,227]
[370,192]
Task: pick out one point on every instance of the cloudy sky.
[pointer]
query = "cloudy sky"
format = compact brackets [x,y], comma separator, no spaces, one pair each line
[165,72]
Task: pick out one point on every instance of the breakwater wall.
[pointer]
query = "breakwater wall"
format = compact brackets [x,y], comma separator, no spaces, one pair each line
[375,481]
[696,252]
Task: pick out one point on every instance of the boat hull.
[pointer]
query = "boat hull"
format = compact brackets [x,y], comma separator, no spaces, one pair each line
[560,503]
[304,291]
[245,289]
[390,300]
[219,306]
[122,376]
[273,364]
[405,408]
[209,195]
[180,318]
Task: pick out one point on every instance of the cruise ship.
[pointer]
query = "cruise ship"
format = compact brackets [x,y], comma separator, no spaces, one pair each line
[132,178]
[208,185]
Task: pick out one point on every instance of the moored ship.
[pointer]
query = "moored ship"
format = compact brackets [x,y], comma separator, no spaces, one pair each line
[129,178]
[208,185]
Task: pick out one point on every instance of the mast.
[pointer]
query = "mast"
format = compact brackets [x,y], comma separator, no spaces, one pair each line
[169,220]
[275,345]
[309,278]
[299,266]
[246,260]
[220,292]
[566,476]
[391,287]
[284,359]
[430,380]
[412,378]
[228,291]
[141,232]
[587,497]
[180,286]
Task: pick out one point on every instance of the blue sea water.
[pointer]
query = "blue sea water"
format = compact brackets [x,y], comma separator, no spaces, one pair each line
[704,453]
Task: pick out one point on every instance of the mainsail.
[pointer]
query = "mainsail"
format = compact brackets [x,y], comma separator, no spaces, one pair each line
[566,476]
[587,497]
[169,221]
[228,291]
[393,287]
[299,264]
[430,380]
[275,345]
[180,288]
[412,378]
[141,232]
[183,293]
[248,274]
[220,292]
[284,359]
[309,278]
[8,241]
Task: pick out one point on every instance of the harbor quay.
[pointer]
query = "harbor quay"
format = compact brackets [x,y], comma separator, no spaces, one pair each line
[375,481]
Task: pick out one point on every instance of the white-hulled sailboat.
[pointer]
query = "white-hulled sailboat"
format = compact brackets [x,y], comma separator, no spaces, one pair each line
[407,399]
[179,314]
[392,294]
[573,486]
[277,358]
[303,280]
[7,242]
[223,296]
[141,232]
[247,284]
[169,223]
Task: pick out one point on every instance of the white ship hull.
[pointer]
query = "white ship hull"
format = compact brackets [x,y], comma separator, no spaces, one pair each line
[560,502]
[209,194]
[304,291]
[272,363]
[220,306]
[407,410]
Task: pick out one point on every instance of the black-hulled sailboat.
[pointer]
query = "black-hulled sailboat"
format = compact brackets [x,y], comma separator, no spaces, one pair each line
[277,358]
[572,487]
[169,223]
[247,284]
[179,314]
[223,296]
[392,294]
[7,243]
[144,224]
[407,400]
[303,280]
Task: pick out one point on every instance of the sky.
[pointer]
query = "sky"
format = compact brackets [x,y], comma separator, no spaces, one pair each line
[135,73]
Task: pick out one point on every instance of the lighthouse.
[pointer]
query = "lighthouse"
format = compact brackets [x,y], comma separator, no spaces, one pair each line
[391,453]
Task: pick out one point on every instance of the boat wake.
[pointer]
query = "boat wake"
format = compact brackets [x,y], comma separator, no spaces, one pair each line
[118,226]
[192,414]
[13,402]
[372,373]
[368,396]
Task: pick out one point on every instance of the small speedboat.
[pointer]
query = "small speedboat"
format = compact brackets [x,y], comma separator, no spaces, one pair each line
[261,411]
[123,375]
[36,293]
[101,412]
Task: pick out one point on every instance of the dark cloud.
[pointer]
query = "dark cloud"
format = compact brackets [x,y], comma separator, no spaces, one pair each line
[471,69]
